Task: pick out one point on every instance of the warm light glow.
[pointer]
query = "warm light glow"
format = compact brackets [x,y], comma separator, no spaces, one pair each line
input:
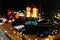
[55,16]
[17,36]
[29,39]
[13,20]
[49,36]
[14,32]
[9,21]
[15,12]
[35,12]
[5,31]
[35,39]
[1,23]
[39,14]
[53,36]
[20,32]
[28,8]
[26,36]
[19,11]
[58,14]
[46,39]
[21,14]
[28,11]
[17,15]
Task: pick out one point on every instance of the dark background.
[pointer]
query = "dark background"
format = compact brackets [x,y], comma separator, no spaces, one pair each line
[46,5]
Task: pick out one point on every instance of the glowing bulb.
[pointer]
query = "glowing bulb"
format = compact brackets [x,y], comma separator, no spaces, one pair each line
[55,16]
[14,32]
[49,36]
[55,32]
[28,11]
[28,8]
[20,32]
[35,39]
[29,39]
[39,14]
[35,12]
[13,20]
[9,21]
[5,31]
